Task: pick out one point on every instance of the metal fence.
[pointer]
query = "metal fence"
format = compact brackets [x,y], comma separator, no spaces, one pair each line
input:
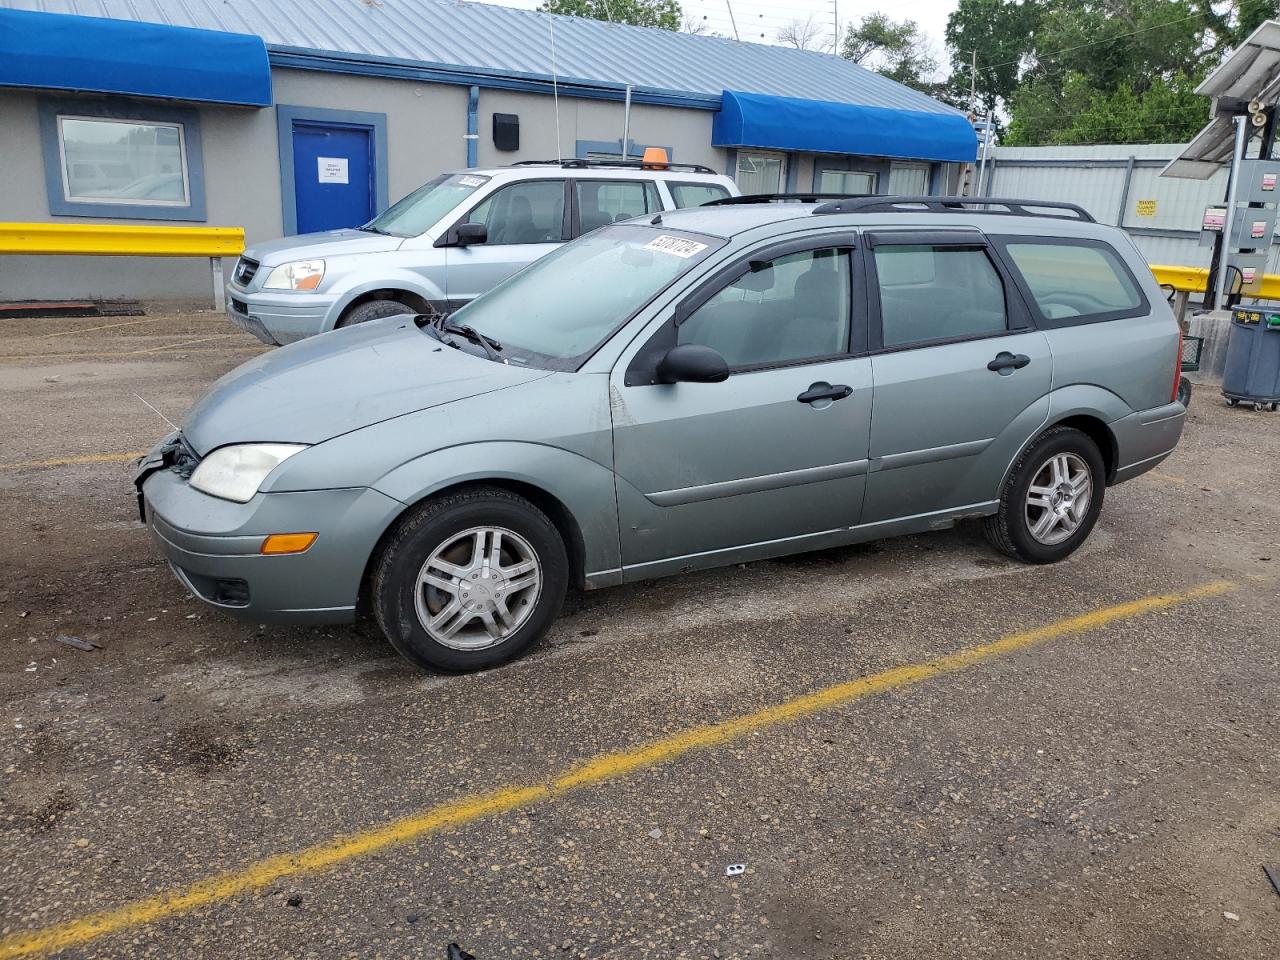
[1119,184]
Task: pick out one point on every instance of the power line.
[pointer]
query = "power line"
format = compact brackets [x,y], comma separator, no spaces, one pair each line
[1094,43]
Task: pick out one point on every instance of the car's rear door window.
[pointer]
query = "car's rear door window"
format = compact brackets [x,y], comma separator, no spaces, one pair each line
[1075,281]
[937,292]
[604,202]
[696,194]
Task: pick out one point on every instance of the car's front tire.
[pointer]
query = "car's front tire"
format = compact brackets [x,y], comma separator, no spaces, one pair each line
[373,310]
[1052,498]
[470,580]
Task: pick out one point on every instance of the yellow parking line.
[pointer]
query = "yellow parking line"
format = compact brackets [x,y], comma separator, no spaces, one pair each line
[65,357]
[105,326]
[68,461]
[599,769]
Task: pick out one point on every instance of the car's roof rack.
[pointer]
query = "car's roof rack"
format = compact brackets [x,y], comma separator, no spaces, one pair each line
[1002,205]
[578,163]
[781,198]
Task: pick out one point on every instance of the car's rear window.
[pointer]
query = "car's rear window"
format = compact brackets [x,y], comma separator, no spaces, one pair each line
[696,194]
[1075,282]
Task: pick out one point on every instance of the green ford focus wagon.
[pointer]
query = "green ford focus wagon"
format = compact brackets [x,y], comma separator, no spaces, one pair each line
[697,388]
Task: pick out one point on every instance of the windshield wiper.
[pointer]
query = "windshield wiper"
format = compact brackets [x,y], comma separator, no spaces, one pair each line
[491,346]
[370,228]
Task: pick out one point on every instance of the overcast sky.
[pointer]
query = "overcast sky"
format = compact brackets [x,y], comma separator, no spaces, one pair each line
[760,20]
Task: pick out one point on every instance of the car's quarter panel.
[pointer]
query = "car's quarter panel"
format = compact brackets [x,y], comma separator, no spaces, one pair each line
[944,427]
[1134,358]
[704,467]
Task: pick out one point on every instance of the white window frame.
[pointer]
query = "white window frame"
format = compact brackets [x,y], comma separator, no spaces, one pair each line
[873,174]
[764,155]
[124,201]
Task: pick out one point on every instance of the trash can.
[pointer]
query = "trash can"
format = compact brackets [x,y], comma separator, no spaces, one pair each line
[1252,370]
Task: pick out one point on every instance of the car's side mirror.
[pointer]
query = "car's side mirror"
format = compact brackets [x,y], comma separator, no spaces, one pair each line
[467,234]
[692,363]
[464,235]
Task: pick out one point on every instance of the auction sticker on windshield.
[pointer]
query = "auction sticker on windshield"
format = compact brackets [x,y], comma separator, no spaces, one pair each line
[469,181]
[676,246]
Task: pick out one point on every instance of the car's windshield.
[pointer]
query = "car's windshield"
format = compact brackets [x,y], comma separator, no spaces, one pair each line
[561,308]
[422,209]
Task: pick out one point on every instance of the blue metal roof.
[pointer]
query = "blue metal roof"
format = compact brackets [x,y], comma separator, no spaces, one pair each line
[142,59]
[501,46]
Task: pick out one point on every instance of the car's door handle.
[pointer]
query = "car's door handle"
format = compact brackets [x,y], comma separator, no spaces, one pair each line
[825,391]
[1008,361]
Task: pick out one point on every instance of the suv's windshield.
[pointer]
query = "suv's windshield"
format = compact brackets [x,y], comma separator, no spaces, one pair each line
[563,306]
[422,209]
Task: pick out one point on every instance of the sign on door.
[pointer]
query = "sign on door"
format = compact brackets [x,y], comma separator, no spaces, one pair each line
[332,169]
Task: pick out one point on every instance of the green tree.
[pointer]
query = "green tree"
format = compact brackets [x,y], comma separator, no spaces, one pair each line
[1087,71]
[896,49]
[665,14]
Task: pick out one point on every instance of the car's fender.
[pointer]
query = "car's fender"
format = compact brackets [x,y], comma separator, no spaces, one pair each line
[394,279]
[583,487]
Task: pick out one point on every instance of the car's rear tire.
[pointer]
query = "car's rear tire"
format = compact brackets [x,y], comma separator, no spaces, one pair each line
[470,580]
[1052,498]
[1184,391]
[373,310]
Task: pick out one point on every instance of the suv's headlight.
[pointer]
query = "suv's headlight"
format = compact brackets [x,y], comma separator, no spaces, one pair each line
[236,472]
[298,275]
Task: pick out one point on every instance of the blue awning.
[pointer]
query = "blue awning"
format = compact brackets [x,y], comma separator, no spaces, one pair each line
[819,126]
[57,51]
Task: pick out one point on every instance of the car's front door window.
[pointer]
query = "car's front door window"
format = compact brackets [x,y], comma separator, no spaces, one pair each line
[791,308]
[529,212]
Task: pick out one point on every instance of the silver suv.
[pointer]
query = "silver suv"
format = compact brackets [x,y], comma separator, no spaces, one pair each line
[686,390]
[449,241]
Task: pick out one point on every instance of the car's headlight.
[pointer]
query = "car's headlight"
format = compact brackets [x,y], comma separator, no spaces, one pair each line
[298,275]
[236,473]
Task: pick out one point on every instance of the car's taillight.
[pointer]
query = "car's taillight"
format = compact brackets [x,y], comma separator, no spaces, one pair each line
[1177,368]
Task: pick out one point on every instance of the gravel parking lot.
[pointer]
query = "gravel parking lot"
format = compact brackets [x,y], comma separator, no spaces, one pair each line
[1095,778]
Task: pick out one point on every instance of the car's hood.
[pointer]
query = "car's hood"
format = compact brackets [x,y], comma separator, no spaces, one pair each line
[331,243]
[324,386]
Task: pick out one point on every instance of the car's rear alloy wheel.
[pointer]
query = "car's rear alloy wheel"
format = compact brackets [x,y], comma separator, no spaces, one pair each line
[470,579]
[1058,498]
[1052,498]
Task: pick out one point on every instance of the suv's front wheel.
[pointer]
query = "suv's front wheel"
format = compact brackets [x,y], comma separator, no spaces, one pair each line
[1052,498]
[470,580]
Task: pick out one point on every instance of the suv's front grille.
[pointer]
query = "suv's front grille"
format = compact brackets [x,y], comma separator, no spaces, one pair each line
[245,271]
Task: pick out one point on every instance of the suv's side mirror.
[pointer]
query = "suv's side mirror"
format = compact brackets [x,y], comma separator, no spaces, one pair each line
[692,363]
[464,235]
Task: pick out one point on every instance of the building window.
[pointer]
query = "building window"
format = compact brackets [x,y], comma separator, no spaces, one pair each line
[760,172]
[909,179]
[847,182]
[119,159]
[123,161]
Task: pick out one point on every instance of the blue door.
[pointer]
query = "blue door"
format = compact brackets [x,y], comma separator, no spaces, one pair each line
[333,173]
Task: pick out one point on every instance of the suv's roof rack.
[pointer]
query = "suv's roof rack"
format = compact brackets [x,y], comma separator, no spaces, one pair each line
[1011,207]
[781,198]
[578,163]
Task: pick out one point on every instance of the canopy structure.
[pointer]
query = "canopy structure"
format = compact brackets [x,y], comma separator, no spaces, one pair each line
[1250,74]
[819,126]
[96,55]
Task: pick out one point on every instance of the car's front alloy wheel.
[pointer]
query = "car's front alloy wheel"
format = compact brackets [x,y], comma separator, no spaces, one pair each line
[470,579]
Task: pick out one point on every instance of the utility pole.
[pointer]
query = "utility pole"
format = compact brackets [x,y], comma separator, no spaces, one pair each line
[835,27]
[728,4]
[973,83]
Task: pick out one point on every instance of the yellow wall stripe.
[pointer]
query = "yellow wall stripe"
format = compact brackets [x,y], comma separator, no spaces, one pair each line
[594,771]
